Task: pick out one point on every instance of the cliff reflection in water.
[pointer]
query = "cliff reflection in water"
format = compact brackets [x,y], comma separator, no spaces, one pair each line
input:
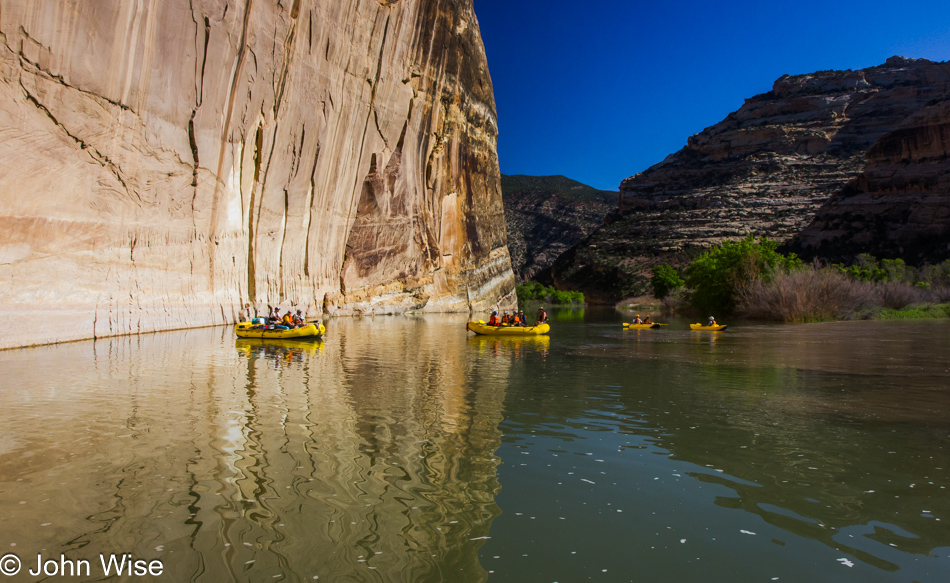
[372,451]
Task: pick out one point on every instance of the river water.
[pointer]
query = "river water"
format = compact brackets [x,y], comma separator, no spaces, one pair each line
[406,449]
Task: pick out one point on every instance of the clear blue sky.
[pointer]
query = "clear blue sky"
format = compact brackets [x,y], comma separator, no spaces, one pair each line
[603,89]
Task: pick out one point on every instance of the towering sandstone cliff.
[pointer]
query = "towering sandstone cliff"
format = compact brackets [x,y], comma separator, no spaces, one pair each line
[174,163]
[765,169]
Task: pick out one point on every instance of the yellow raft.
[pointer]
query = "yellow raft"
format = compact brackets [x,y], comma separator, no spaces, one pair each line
[708,328]
[640,326]
[251,330]
[483,328]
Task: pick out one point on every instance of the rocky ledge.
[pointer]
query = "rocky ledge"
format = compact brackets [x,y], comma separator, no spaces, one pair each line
[765,169]
[546,215]
[899,207]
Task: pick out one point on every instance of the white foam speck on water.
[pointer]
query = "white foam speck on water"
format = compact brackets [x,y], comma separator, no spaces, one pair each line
[46,524]
[678,475]
[249,562]
[747,532]
[160,548]
[774,578]
[682,541]
[846,562]
[480,538]
[588,481]
[247,544]
[869,491]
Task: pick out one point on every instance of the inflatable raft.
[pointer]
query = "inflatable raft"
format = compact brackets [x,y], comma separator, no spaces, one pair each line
[251,330]
[483,328]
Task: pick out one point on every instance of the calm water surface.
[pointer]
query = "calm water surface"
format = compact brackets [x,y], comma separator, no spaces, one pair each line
[405,449]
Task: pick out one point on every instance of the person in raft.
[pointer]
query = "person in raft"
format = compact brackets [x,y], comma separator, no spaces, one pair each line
[505,319]
[288,320]
[542,316]
[647,320]
[274,317]
[637,320]
[712,321]
[522,319]
[493,321]
[298,319]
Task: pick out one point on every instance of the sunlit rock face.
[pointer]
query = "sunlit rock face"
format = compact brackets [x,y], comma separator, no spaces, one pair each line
[899,207]
[180,163]
[765,169]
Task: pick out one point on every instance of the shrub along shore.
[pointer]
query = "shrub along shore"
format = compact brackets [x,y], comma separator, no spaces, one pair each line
[751,279]
[533,291]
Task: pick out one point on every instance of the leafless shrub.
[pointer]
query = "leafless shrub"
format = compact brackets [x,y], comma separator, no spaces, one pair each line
[941,294]
[674,302]
[803,295]
[900,295]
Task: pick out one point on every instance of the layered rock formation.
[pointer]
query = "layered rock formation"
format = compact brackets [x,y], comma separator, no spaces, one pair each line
[899,207]
[546,215]
[765,169]
[176,163]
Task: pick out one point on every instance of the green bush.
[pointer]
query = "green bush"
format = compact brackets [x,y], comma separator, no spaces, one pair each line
[719,273]
[533,291]
[665,279]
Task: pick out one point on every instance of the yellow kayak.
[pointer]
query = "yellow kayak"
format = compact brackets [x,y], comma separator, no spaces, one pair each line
[640,326]
[483,328]
[708,328]
[250,330]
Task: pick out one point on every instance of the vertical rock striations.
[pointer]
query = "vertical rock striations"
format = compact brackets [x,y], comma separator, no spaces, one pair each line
[765,169]
[170,164]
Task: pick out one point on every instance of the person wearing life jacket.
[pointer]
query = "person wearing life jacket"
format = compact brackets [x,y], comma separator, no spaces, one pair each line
[637,320]
[522,319]
[542,316]
[298,319]
[712,321]
[288,320]
[505,319]
[493,321]
[647,320]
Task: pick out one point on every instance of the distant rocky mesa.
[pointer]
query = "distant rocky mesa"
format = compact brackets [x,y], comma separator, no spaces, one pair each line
[547,215]
[766,169]
[187,162]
